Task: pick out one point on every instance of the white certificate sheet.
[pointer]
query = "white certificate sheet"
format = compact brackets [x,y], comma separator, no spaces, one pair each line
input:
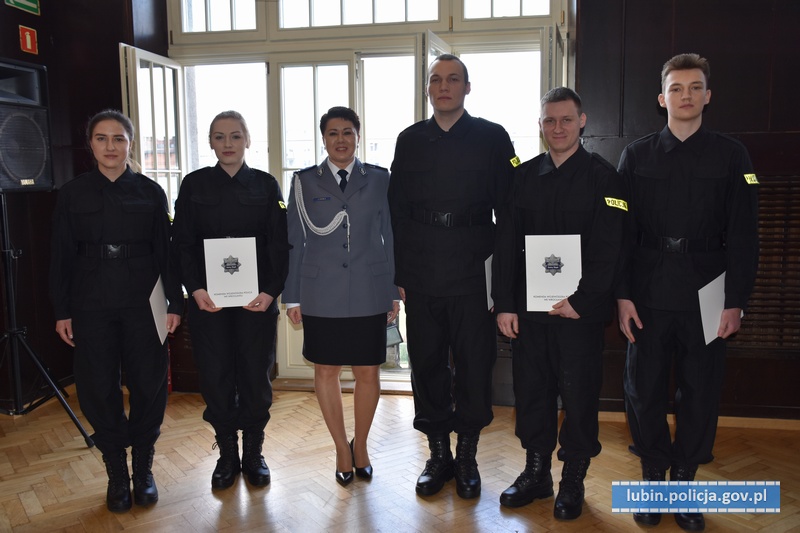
[487,267]
[231,271]
[552,269]
[158,304]
[712,303]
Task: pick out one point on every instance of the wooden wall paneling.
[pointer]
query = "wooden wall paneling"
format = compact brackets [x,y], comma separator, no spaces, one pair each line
[648,43]
[784,110]
[599,66]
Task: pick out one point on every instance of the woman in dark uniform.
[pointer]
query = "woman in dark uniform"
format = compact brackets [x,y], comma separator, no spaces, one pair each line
[110,245]
[233,347]
[340,284]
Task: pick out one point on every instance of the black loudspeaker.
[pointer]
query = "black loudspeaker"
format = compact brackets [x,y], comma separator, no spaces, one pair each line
[25,160]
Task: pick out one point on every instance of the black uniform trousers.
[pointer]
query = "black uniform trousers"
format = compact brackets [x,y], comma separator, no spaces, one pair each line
[107,342]
[459,398]
[234,350]
[667,337]
[552,359]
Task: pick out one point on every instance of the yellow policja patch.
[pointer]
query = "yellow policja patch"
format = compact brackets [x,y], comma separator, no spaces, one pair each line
[619,204]
[751,179]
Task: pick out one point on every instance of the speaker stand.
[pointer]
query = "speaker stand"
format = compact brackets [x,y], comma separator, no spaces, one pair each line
[15,338]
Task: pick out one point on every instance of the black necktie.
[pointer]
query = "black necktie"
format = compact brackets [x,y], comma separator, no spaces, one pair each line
[343,182]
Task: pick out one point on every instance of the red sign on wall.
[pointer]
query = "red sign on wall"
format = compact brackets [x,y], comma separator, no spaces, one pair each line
[28,41]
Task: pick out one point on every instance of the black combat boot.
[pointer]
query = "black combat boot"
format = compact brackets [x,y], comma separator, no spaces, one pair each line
[439,468]
[468,480]
[118,495]
[145,491]
[650,473]
[253,465]
[534,482]
[687,521]
[569,501]
[228,465]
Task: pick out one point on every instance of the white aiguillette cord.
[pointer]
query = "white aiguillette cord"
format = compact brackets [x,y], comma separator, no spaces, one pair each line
[327,230]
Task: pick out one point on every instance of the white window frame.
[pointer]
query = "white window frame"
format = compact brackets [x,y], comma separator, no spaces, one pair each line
[179,37]
[129,76]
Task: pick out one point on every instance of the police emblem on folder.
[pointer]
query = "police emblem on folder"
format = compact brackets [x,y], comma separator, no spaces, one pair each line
[231,264]
[552,265]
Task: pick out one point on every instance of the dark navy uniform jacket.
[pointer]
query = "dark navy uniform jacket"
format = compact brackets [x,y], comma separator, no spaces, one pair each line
[214,205]
[702,188]
[464,172]
[584,196]
[92,210]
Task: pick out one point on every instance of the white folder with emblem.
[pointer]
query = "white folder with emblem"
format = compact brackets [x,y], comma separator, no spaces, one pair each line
[552,269]
[231,271]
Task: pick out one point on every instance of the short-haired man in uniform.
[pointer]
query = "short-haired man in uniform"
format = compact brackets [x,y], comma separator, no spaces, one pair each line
[449,173]
[694,210]
[565,191]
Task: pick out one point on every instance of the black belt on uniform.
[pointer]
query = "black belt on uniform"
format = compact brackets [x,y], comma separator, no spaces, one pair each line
[114,251]
[451,220]
[681,245]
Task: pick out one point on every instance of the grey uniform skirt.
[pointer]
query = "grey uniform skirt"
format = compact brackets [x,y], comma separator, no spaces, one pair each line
[345,341]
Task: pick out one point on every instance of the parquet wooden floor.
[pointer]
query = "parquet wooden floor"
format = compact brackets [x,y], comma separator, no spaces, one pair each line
[50,481]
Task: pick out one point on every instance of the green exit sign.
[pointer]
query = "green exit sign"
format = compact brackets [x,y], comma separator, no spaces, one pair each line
[31,6]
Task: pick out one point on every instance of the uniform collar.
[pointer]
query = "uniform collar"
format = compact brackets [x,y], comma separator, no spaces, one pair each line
[696,142]
[459,129]
[126,180]
[567,167]
[243,175]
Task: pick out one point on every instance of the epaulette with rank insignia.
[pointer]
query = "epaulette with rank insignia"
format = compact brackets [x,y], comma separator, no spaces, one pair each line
[312,167]
[370,165]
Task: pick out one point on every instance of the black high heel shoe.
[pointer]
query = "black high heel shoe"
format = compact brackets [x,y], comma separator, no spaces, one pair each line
[346,477]
[366,472]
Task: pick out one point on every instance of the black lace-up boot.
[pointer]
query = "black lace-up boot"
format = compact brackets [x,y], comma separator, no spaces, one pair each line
[569,501]
[650,473]
[687,521]
[145,491]
[534,482]
[118,495]
[228,465]
[439,468]
[253,465]
[468,479]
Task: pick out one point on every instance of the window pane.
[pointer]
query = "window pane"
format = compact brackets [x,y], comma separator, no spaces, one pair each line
[245,14]
[194,15]
[207,95]
[146,117]
[423,10]
[220,18]
[158,116]
[390,11]
[477,9]
[506,8]
[535,7]
[519,120]
[388,108]
[294,14]
[358,11]
[327,13]
[332,90]
[297,89]
[171,120]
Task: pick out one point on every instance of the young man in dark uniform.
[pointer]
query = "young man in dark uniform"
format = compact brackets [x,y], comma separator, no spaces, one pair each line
[694,216]
[565,191]
[448,174]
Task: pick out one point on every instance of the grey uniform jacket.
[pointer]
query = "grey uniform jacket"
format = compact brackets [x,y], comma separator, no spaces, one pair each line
[327,277]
